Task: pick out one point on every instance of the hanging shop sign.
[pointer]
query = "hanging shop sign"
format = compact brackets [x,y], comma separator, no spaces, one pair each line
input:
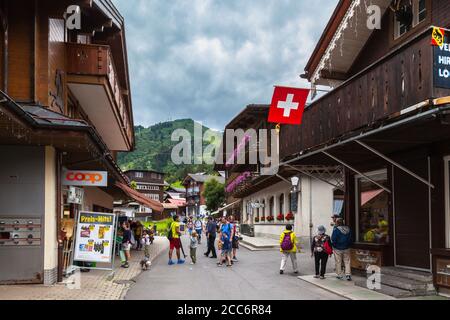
[94,237]
[441,70]
[85,178]
[288,105]
[75,196]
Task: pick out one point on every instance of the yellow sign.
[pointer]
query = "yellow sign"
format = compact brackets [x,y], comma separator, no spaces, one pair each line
[438,36]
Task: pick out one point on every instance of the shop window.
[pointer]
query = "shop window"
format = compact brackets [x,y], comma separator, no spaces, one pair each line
[338,203]
[447,200]
[373,209]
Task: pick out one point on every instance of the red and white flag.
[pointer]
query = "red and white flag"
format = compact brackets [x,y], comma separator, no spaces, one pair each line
[288,105]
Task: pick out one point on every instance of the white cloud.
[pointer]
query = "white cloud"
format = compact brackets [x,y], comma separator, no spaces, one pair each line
[208,59]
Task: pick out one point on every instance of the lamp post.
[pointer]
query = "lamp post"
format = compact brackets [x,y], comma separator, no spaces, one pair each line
[294,194]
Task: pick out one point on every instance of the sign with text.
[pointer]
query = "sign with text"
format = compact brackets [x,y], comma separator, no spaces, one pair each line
[442,65]
[94,238]
[85,178]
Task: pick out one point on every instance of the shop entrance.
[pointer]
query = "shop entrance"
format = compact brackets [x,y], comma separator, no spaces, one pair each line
[447,200]
[412,216]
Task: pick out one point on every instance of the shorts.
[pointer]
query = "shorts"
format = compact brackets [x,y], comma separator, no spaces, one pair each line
[235,244]
[126,246]
[175,243]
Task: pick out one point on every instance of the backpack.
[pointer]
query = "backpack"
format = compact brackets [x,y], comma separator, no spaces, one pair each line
[286,244]
[327,248]
[169,233]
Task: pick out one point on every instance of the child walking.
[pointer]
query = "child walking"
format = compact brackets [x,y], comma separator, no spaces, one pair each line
[193,246]
[145,241]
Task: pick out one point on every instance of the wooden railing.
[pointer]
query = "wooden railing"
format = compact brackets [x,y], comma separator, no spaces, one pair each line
[399,80]
[97,60]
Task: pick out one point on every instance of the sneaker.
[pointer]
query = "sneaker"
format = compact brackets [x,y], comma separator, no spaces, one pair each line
[171,263]
[219,264]
[192,263]
[281,271]
[316,276]
[180,261]
[235,259]
[213,257]
[295,272]
[339,277]
[322,277]
[348,278]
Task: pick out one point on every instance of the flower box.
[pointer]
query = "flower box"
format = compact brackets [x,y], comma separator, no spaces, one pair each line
[280,217]
[290,216]
[270,218]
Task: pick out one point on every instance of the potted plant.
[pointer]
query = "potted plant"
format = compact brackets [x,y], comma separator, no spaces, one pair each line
[270,218]
[280,217]
[290,216]
[256,219]
[263,219]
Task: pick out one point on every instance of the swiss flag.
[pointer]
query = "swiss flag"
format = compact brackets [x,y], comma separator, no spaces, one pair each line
[288,105]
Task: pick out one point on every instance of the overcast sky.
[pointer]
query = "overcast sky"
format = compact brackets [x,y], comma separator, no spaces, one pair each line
[208,59]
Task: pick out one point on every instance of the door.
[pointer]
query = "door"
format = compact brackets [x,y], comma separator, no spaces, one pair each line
[447,200]
[412,216]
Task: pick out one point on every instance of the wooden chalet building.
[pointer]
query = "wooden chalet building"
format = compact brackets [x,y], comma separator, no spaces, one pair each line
[387,122]
[65,106]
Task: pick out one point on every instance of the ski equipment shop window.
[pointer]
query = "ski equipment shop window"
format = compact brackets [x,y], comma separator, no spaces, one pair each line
[372,208]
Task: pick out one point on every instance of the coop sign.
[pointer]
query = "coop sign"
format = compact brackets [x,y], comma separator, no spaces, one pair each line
[442,64]
[85,178]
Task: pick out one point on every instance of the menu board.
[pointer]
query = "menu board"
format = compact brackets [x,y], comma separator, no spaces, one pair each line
[94,238]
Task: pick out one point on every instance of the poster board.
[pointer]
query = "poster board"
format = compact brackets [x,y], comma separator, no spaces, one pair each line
[94,239]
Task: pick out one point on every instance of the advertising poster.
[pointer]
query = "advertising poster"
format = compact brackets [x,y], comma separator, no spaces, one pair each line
[94,238]
[442,64]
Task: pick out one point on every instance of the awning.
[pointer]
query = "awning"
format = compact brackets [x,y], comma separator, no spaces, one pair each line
[177,202]
[416,128]
[135,195]
[367,196]
[226,207]
[169,206]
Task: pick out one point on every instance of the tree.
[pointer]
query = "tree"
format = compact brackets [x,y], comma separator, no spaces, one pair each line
[214,194]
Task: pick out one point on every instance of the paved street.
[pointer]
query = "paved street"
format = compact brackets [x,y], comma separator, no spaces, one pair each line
[255,277]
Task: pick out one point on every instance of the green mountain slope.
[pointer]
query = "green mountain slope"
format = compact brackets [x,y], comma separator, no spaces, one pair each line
[154,148]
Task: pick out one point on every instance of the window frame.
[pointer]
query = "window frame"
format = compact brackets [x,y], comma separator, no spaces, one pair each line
[357,203]
[415,23]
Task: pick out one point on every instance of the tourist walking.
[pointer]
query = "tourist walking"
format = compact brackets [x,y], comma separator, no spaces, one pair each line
[138,234]
[126,244]
[341,239]
[198,228]
[321,249]
[288,249]
[211,231]
[225,239]
[193,247]
[175,241]
[234,238]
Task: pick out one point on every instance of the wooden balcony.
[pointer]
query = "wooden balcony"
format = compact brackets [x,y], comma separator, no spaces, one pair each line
[387,88]
[93,79]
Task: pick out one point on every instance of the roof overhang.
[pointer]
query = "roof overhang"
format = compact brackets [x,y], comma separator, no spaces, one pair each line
[342,41]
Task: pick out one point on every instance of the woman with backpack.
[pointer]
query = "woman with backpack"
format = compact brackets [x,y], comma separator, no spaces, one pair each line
[288,248]
[321,249]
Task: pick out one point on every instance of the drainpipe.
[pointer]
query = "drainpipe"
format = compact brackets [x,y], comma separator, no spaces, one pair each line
[310,211]
[58,216]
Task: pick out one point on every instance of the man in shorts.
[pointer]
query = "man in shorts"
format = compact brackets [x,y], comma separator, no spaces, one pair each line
[175,241]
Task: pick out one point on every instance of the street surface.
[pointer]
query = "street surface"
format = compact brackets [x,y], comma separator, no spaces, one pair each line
[255,277]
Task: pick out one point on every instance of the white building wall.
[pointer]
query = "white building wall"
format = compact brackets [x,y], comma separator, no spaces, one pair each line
[315,207]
